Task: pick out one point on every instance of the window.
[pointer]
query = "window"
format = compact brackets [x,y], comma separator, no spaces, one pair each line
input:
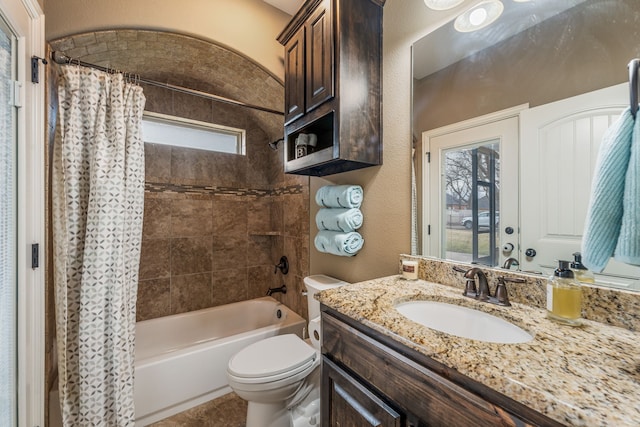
[179,132]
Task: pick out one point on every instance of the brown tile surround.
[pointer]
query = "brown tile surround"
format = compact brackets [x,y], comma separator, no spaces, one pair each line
[216,249]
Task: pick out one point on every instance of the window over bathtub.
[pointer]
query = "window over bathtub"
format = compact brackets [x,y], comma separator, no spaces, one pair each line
[180,132]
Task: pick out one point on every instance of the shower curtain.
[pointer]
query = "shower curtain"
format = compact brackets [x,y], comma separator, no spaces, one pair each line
[98,197]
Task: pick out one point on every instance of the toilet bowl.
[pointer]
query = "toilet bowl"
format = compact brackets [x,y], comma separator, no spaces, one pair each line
[279,377]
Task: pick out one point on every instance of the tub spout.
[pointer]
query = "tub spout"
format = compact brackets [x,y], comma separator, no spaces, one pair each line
[282,289]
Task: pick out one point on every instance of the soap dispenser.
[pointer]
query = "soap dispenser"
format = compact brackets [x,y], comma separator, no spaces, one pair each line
[564,296]
[581,273]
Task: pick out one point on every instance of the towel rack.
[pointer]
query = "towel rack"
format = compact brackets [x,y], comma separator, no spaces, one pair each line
[633,66]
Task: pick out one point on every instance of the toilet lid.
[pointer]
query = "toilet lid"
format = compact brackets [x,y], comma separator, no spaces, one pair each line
[272,356]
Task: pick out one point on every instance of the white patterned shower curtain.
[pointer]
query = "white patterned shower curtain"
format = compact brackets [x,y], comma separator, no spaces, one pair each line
[98,197]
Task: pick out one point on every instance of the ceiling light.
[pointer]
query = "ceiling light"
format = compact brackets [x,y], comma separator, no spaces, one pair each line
[480,16]
[442,4]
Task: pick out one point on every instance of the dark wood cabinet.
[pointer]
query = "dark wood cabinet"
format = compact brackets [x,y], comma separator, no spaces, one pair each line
[352,404]
[294,89]
[319,71]
[384,376]
[333,59]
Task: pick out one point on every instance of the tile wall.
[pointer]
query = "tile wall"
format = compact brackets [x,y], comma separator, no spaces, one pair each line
[215,224]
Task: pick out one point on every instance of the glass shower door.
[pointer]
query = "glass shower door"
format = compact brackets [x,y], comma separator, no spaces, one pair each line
[8,229]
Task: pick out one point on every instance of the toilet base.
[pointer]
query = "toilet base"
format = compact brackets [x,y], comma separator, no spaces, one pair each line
[307,414]
[267,415]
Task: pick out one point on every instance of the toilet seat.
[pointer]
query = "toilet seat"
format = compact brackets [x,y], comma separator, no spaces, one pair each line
[272,359]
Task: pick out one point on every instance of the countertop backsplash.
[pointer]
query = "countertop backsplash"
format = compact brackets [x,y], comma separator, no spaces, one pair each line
[616,307]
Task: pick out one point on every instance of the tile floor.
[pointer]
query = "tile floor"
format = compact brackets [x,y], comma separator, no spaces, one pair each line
[226,411]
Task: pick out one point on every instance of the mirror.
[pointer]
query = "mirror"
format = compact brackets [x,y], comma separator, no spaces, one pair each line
[538,52]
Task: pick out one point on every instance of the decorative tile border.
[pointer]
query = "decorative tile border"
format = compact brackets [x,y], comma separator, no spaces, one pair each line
[206,190]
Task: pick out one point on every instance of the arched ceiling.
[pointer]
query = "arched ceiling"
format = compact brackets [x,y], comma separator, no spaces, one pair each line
[184,61]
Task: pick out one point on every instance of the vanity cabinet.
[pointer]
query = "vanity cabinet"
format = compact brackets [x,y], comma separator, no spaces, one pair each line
[370,379]
[333,60]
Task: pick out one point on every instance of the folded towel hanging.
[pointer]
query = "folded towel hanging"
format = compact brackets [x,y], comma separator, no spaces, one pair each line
[339,196]
[628,248]
[604,215]
[340,219]
[336,243]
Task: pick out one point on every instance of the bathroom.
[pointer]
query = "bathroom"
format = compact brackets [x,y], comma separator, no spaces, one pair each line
[230,242]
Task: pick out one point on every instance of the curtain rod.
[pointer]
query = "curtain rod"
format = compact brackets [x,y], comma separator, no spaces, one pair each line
[61,58]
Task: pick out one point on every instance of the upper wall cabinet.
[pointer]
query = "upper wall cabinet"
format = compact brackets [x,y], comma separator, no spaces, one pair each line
[333,57]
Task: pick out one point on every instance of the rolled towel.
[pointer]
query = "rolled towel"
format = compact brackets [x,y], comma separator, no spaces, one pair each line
[339,196]
[604,216]
[341,219]
[336,243]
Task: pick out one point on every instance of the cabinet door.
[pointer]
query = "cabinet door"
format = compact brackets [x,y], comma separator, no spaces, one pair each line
[320,50]
[294,70]
[347,403]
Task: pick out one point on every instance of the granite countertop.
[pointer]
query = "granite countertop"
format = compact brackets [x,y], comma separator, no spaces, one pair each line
[579,376]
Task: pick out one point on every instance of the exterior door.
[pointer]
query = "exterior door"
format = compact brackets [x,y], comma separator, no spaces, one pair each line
[8,229]
[471,191]
[560,143]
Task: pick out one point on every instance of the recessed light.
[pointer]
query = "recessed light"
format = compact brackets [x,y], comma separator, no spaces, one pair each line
[480,16]
[442,4]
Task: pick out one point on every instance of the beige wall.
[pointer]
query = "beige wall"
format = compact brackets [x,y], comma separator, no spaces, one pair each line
[249,27]
[387,195]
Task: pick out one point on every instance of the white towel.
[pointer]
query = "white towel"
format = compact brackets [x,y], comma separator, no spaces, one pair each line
[336,243]
[344,220]
[339,196]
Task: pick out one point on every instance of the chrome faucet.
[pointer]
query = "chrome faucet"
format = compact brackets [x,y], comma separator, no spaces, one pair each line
[509,262]
[282,289]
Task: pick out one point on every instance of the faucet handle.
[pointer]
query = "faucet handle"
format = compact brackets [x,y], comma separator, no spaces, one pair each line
[283,266]
[512,279]
[459,269]
[502,296]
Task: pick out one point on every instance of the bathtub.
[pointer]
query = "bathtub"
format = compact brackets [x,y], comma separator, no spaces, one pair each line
[181,360]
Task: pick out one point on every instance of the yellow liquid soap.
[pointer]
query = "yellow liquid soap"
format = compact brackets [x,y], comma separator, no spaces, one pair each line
[566,303]
[584,276]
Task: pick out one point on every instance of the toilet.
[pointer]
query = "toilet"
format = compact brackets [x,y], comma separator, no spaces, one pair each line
[280,376]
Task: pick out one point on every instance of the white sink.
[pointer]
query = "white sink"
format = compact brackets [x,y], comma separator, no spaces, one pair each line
[463,322]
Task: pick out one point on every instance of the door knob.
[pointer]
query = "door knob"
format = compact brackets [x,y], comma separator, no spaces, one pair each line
[530,252]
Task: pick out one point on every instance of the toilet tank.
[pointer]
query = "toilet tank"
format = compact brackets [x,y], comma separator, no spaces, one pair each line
[315,284]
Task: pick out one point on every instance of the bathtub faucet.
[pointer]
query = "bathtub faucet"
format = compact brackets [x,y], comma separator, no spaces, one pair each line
[283,266]
[282,289]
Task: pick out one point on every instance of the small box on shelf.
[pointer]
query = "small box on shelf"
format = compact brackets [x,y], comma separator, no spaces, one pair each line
[305,144]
